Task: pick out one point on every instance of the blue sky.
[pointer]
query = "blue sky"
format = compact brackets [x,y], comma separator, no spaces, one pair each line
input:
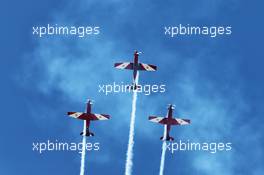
[217,83]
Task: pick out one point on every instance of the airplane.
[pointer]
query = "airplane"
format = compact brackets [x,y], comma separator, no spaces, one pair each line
[168,121]
[88,116]
[136,66]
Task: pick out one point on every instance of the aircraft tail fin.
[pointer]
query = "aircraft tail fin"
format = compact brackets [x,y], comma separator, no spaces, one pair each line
[88,134]
[133,87]
[168,138]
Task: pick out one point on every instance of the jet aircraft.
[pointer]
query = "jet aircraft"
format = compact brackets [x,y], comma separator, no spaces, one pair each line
[135,67]
[88,116]
[168,121]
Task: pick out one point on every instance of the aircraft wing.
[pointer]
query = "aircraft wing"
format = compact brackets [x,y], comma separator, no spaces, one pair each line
[79,115]
[124,65]
[178,121]
[147,67]
[166,121]
[85,116]
[98,116]
[157,119]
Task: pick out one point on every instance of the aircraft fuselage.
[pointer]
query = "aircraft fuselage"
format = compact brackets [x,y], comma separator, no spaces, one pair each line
[135,66]
[168,126]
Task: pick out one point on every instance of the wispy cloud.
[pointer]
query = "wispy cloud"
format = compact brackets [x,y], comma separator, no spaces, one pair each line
[75,68]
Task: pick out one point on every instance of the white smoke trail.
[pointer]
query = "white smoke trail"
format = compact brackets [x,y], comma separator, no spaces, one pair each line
[163,154]
[83,149]
[129,155]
